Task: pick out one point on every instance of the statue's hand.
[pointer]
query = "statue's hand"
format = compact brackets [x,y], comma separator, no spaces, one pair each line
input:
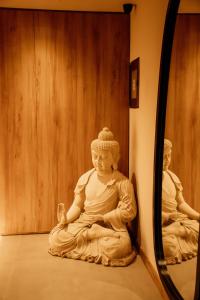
[96,218]
[173,216]
[60,225]
[60,210]
[61,215]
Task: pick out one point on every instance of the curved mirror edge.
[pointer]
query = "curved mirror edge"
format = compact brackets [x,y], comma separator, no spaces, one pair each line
[167,43]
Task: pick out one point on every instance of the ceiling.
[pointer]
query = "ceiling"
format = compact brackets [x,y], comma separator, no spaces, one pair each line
[80,5]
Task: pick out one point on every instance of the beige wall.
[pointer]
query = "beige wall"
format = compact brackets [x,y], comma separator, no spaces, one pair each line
[147,24]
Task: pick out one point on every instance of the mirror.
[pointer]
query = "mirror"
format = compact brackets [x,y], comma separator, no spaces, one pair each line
[177,159]
[181,176]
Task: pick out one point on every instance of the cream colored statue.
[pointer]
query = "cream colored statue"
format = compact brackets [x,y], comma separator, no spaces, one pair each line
[94,229]
[180,222]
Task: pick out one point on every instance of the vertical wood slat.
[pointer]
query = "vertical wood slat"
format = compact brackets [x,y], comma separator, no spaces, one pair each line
[183,106]
[64,76]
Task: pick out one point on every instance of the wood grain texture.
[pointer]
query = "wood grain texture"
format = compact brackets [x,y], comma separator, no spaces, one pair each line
[63,76]
[183,106]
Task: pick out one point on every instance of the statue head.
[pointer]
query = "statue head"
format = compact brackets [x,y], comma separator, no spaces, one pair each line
[167,154]
[105,151]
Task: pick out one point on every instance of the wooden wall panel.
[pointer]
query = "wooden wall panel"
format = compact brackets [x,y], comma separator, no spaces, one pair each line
[183,107]
[63,76]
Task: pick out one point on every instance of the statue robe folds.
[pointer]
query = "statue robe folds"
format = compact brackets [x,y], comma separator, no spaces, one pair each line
[116,203]
[177,247]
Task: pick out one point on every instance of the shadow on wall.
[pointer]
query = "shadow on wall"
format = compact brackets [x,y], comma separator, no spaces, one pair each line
[133,226]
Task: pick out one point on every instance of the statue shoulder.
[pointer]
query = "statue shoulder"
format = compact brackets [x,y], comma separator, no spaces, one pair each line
[83,180]
[122,181]
[176,180]
[174,177]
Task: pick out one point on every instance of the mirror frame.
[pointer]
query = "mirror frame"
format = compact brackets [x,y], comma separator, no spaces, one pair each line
[167,44]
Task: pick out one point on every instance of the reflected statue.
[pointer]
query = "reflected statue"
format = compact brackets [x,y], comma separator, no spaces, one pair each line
[180,226]
[94,228]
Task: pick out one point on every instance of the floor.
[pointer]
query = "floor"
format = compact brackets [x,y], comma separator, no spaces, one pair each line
[28,272]
[184,277]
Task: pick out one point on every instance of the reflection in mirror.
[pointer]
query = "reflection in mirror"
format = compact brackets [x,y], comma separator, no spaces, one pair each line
[181,157]
[179,220]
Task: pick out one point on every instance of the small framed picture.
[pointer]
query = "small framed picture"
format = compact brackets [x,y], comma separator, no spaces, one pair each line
[134,83]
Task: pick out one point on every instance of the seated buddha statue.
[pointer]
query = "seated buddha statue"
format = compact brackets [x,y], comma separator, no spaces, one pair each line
[94,228]
[180,226]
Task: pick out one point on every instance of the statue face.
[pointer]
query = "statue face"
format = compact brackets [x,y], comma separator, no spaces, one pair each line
[102,161]
[167,158]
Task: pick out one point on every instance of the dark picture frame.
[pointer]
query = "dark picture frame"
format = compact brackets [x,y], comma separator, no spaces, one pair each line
[134,83]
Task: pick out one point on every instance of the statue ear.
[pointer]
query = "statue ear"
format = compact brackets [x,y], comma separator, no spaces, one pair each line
[115,161]
[115,166]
